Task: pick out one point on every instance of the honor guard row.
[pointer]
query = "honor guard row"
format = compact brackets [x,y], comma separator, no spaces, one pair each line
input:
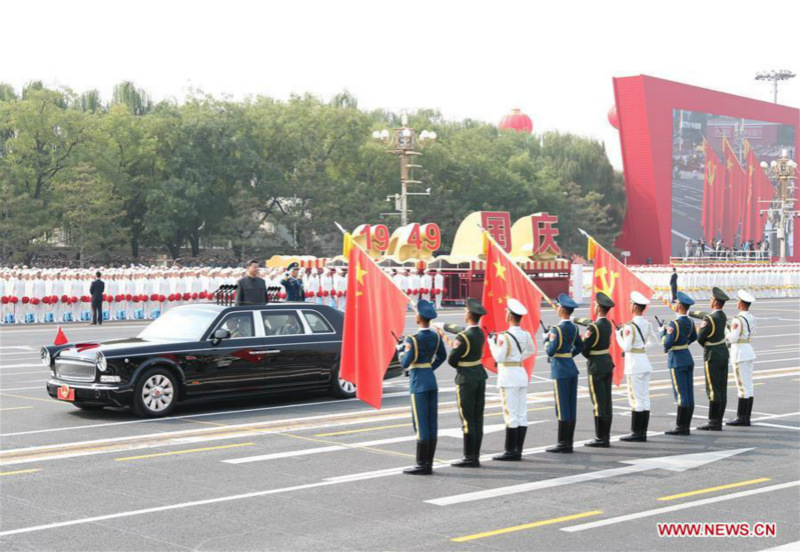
[425,351]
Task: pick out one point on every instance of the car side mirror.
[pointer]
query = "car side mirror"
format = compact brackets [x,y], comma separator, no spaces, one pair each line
[219,335]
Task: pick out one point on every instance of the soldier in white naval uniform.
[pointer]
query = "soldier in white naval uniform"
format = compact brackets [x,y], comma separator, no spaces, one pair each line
[633,339]
[509,349]
[742,328]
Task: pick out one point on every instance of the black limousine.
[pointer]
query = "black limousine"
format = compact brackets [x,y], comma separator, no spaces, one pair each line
[203,352]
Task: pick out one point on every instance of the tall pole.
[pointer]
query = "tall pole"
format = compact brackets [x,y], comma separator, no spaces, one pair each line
[775,91]
[404,189]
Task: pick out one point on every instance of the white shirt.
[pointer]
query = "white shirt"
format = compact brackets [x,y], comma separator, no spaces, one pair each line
[743,326]
[505,350]
[628,338]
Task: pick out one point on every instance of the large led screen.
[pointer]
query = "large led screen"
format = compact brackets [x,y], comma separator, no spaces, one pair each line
[722,199]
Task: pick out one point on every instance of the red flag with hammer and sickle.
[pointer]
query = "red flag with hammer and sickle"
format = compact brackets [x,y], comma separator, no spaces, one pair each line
[615,280]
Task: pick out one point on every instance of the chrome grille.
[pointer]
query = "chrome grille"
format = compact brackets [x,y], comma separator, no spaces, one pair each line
[75,370]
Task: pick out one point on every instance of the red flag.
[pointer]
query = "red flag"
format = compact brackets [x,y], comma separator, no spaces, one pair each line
[712,182]
[734,182]
[374,308]
[615,280]
[61,339]
[504,280]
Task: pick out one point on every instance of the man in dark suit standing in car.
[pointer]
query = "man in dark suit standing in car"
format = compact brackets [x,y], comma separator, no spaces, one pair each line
[251,290]
[96,290]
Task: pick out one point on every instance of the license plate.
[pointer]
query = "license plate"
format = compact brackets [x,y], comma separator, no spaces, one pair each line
[66,393]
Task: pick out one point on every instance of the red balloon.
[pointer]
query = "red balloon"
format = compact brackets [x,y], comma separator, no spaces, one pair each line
[65,299]
[128,296]
[26,300]
[203,294]
[14,300]
[35,300]
[73,299]
[613,117]
[194,296]
[161,298]
[187,296]
[4,300]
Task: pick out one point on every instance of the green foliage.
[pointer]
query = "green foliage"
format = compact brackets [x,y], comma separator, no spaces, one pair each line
[266,176]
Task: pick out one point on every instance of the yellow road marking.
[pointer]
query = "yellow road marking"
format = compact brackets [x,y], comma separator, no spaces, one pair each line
[15,408]
[51,401]
[362,430]
[714,489]
[20,471]
[526,526]
[183,451]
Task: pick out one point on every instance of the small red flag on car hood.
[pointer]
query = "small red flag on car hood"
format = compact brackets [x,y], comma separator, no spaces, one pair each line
[61,339]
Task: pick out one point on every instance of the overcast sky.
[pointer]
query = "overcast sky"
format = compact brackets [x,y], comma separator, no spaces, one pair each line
[553,59]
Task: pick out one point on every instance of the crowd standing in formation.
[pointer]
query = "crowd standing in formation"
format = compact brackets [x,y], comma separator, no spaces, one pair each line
[422,353]
[34,295]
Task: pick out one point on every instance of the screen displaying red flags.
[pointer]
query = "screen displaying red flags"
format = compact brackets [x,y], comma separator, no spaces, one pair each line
[374,308]
[712,193]
[759,190]
[735,181]
[615,280]
[504,280]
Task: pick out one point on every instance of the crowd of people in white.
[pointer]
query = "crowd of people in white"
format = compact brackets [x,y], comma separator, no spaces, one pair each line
[763,281]
[31,295]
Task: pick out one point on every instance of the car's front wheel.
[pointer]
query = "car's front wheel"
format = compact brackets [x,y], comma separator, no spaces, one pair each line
[156,393]
[341,388]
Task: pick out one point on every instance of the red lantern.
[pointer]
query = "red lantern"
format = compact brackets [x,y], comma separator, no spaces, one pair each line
[161,298]
[187,296]
[203,294]
[128,296]
[194,296]
[45,300]
[516,121]
[613,117]
[26,300]
[14,300]
[4,300]
[136,298]
[65,298]
[154,297]
[73,299]
[35,301]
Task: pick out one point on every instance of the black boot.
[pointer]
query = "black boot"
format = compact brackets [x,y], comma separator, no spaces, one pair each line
[636,428]
[566,431]
[522,430]
[510,454]
[742,418]
[645,423]
[467,460]
[422,467]
[749,409]
[680,423]
[714,418]
[600,433]
[476,448]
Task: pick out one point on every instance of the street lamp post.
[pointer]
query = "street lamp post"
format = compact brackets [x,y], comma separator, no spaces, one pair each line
[775,77]
[783,171]
[403,143]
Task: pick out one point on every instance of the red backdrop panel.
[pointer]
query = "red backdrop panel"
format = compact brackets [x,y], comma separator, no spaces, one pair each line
[644,107]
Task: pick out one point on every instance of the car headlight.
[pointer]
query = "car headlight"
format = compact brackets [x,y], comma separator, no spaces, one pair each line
[102,364]
[45,354]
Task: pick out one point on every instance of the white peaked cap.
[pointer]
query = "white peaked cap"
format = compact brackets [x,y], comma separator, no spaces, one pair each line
[639,299]
[516,307]
[745,296]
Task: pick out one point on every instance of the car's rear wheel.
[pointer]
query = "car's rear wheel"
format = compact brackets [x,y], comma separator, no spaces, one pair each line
[341,388]
[156,393]
[84,406]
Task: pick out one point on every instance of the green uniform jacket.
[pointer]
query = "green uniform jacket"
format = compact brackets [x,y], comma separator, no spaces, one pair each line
[466,357]
[597,339]
[712,330]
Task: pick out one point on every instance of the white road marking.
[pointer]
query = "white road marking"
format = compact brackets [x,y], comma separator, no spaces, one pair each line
[678,507]
[777,425]
[452,432]
[677,463]
[42,387]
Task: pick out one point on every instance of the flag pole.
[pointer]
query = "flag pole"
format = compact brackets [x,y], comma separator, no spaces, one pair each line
[597,244]
[514,263]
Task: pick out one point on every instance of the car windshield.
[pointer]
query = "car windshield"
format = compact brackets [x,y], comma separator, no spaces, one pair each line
[180,325]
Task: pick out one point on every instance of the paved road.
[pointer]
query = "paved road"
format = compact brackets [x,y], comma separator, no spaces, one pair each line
[310,472]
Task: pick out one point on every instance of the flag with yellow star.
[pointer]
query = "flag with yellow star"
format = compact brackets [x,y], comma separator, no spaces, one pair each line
[735,180]
[615,280]
[503,280]
[374,309]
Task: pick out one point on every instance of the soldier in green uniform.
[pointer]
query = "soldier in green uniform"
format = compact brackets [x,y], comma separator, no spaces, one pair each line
[597,339]
[715,357]
[465,357]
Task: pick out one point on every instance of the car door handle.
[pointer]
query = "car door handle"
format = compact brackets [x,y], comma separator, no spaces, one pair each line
[266,352]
